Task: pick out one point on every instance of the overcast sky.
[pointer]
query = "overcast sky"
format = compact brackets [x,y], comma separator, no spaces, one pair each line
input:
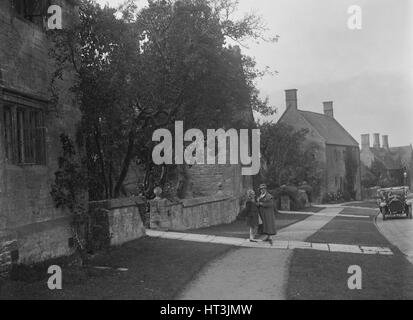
[367,73]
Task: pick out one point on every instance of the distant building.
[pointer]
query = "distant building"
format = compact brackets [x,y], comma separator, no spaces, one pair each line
[31,228]
[330,142]
[398,161]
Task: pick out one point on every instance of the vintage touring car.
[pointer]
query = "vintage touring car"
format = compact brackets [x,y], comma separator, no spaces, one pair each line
[394,202]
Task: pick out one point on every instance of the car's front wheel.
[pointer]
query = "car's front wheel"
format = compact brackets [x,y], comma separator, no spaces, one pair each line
[383,212]
[409,213]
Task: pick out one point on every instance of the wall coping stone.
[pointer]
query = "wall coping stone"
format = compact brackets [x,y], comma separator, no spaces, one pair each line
[118,203]
[7,235]
[203,200]
[187,203]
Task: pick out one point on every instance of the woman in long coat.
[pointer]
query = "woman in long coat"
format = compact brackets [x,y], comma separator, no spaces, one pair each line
[267,210]
[251,213]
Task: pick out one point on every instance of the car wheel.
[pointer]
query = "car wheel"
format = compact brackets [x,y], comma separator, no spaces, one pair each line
[383,213]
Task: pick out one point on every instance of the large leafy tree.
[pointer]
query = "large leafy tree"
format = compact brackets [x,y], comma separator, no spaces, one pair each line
[378,175]
[286,160]
[139,70]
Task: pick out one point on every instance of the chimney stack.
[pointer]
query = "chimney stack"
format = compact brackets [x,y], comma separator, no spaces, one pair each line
[365,141]
[376,140]
[328,109]
[291,98]
[385,141]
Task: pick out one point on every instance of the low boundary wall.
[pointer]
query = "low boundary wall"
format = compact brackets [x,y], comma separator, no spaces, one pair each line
[193,213]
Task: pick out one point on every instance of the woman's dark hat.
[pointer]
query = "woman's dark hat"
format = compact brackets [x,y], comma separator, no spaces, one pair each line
[263,186]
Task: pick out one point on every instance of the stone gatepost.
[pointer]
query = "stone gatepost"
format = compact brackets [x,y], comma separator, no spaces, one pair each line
[285,203]
[159,218]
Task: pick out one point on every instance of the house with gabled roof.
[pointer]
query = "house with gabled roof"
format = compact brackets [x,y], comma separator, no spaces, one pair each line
[32,229]
[336,151]
[397,161]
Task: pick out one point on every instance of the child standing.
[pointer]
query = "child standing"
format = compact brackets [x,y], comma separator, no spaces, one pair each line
[251,213]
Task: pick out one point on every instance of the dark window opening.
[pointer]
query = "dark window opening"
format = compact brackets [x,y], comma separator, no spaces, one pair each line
[32,10]
[24,135]
[8,133]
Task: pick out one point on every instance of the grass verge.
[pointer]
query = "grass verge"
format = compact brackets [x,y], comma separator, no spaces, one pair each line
[157,269]
[323,275]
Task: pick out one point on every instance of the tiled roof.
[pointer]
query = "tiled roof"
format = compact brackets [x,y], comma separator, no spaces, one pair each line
[394,158]
[329,129]
[391,160]
[405,153]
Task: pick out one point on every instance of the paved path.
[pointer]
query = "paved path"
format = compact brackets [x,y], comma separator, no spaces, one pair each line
[323,214]
[254,273]
[303,229]
[291,237]
[282,241]
[399,232]
[245,274]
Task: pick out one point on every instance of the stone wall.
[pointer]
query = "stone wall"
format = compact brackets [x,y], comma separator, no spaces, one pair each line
[26,207]
[8,251]
[336,169]
[193,213]
[205,179]
[314,141]
[125,218]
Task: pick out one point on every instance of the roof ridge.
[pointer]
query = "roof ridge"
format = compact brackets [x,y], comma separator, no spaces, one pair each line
[332,120]
[308,111]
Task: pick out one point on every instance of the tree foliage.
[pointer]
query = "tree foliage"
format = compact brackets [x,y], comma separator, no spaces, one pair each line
[144,69]
[378,175]
[286,159]
[352,169]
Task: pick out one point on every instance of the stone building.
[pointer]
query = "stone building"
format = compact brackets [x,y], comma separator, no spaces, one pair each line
[329,142]
[31,228]
[397,161]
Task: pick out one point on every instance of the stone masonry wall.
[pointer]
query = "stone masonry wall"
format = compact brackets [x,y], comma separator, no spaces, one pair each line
[336,169]
[26,207]
[313,140]
[8,247]
[125,219]
[193,213]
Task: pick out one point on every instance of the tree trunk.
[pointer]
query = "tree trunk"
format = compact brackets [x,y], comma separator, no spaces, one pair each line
[126,164]
[101,161]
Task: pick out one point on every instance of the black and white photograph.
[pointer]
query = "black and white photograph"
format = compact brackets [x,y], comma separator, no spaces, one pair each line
[206,154]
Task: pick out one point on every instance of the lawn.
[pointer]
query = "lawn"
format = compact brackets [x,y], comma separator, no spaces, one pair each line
[323,275]
[157,269]
[364,204]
